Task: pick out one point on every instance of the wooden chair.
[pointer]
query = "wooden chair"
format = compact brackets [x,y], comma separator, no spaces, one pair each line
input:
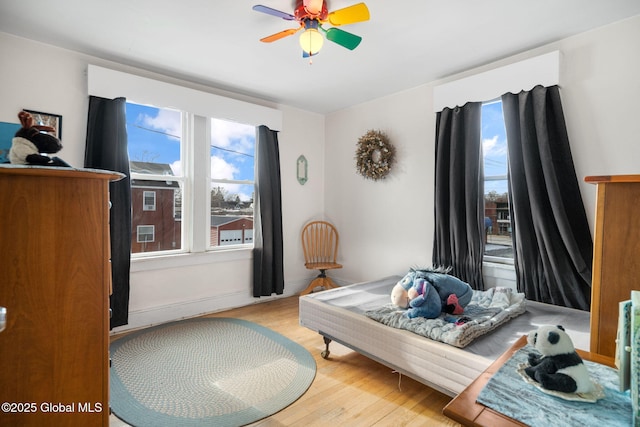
[320,247]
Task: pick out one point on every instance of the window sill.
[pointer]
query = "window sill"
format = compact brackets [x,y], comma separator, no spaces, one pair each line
[189,259]
[499,274]
[503,265]
[497,261]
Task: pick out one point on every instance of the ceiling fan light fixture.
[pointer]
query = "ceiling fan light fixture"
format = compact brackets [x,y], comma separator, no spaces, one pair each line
[311,40]
[311,15]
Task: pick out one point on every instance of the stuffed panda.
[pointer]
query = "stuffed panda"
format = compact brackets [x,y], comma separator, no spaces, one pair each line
[31,140]
[559,367]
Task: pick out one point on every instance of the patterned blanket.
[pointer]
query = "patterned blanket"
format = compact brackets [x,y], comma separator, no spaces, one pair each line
[507,393]
[486,311]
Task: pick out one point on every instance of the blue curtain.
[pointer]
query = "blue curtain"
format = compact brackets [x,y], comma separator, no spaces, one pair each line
[106,148]
[459,185]
[551,236]
[268,264]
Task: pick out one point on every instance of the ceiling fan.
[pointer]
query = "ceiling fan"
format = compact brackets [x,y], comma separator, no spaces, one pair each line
[311,15]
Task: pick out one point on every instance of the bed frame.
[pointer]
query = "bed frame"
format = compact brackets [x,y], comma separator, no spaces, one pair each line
[338,315]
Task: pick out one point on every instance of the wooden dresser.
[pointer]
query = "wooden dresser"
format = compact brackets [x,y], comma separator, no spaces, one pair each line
[616,257]
[55,286]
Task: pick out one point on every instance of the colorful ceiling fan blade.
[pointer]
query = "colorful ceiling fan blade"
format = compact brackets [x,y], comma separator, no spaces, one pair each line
[280,35]
[343,38]
[274,12]
[314,7]
[349,15]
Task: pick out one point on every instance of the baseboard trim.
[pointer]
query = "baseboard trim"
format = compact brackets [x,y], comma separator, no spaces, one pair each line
[144,318]
[152,316]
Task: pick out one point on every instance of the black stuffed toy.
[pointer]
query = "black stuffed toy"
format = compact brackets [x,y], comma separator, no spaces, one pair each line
[31,140]
[558,367]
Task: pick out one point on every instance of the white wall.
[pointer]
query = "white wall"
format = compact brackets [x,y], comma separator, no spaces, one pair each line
[44,78]
[387,226]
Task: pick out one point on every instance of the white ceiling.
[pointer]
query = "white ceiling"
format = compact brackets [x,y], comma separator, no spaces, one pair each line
[406,43]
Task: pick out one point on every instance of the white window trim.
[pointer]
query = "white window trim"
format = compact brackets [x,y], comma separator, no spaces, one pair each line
[208,244]
[175,260]
[497,260]
[111,84]
[199,158]
[523,75]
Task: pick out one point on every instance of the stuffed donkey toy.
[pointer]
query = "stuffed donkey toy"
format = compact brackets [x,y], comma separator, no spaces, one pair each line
[31,140]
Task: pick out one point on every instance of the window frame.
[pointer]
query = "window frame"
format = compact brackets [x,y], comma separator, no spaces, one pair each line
[502,177]
[148,207]
[211,182]
[183,184]
[152,233]
[197,104]
[196,184]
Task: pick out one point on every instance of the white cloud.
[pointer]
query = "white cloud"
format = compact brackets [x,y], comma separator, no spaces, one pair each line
[176,168]
[225,134]
[220,169]
[223,170]
[167,121]
[232,135]
[493,147]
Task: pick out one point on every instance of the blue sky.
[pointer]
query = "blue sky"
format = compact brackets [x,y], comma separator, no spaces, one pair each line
[494,146]
[154,136]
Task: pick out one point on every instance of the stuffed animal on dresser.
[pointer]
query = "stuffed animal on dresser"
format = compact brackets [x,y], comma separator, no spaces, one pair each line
[558,366]
[31,140]
[428,293]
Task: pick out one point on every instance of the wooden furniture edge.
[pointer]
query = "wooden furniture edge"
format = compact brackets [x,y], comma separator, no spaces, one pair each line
[611,178]
[596,272]
[465,410]
[60,172]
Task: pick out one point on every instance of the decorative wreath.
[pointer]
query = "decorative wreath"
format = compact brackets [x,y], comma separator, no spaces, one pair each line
[374,155]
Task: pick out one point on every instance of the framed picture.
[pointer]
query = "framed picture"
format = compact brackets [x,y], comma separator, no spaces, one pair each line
[48,119]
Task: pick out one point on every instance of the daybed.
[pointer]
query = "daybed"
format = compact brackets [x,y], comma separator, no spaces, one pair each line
[340,315]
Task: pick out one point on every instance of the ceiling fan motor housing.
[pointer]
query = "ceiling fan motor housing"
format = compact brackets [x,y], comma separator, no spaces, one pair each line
[303,12]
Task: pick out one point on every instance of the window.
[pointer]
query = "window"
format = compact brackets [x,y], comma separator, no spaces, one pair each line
[232,188]
[149,201]
[157,180]
[165,188]
[497,220]
[145,233]
[539,70]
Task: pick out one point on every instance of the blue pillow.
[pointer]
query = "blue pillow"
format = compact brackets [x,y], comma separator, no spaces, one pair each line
[7,132]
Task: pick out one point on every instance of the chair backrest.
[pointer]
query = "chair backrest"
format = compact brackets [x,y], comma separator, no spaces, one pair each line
[320,242]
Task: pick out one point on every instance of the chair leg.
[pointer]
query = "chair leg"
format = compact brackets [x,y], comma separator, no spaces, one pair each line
[329,284]
[321,281]
[318,281]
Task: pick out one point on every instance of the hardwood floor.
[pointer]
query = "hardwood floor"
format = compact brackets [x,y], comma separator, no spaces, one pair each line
[349,389]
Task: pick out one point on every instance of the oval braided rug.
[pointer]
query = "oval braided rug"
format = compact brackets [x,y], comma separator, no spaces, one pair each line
[206,372]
